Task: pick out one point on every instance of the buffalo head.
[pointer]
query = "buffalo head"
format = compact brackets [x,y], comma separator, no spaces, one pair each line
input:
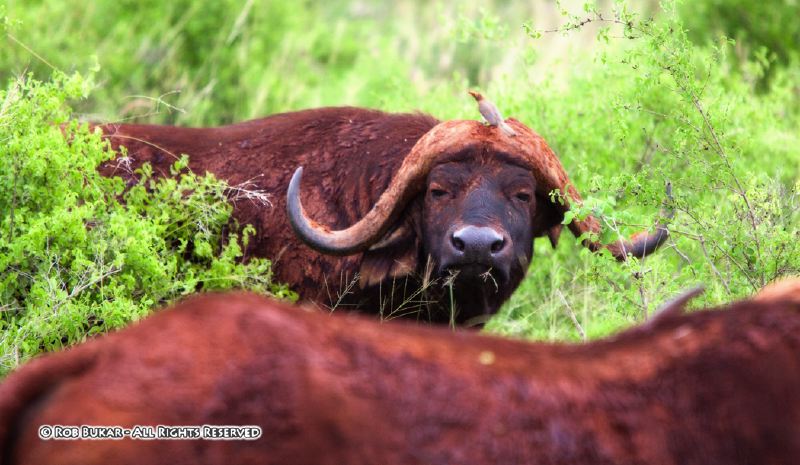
[482,197]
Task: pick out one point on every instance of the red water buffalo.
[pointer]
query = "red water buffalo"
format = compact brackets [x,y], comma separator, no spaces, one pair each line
[711,387]
[399,211]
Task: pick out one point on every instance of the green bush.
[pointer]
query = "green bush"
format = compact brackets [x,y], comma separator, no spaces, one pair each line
[79,254]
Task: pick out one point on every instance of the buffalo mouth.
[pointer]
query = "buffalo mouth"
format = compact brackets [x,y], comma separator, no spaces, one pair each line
[475,274]
[476,290]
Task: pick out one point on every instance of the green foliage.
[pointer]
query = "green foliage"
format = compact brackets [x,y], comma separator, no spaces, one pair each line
[765,33]
[206,63]
[626,101]
[669,111]
[79,254]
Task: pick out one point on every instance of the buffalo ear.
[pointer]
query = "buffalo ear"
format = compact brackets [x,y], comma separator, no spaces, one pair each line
[553,234]
[394,256]
[547,219]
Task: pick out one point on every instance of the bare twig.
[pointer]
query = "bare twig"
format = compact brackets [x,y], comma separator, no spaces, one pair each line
[248,190]
[711,262]
[572,316]
[159,100]
[29,50]
[674,246]
[597,19]
[639,277]
[123,136]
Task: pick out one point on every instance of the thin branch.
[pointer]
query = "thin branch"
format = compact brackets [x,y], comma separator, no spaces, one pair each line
[674,246]
[572,316]
[702,241]
[639,277]
[597,19]
[122,136]
[159,100]
[29,50]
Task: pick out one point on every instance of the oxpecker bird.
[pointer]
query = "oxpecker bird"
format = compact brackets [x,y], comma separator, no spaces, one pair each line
[491,114]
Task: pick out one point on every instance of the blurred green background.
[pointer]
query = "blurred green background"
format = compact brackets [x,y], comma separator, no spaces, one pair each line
[705,94]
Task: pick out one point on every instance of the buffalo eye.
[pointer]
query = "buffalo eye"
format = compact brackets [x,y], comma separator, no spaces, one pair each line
[523,196]
[438,193]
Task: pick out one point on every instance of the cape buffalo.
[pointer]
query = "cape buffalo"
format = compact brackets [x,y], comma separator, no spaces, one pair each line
[711,387]
[401,214]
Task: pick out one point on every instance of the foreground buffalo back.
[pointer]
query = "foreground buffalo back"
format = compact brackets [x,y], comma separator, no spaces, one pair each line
[396,213]
[712,387]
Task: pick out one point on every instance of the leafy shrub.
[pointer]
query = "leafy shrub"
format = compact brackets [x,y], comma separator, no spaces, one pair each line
[658,108]
[79,254]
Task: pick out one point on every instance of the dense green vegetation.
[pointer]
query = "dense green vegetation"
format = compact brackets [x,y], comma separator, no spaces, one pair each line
[699,96]
[80,254]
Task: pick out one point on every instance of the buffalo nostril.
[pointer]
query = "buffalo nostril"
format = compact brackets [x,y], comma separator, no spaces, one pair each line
[497,245]
[458,243]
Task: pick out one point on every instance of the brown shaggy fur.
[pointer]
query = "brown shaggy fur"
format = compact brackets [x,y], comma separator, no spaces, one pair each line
[711,387]
[267,151]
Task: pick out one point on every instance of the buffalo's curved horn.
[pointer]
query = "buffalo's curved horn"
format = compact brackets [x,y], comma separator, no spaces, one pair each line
[640,245]
[444,137]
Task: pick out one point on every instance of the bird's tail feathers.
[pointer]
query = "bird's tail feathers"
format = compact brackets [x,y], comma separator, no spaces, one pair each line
[507,129]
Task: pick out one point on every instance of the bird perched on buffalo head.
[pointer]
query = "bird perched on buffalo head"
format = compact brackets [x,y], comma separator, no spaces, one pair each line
[491,114]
